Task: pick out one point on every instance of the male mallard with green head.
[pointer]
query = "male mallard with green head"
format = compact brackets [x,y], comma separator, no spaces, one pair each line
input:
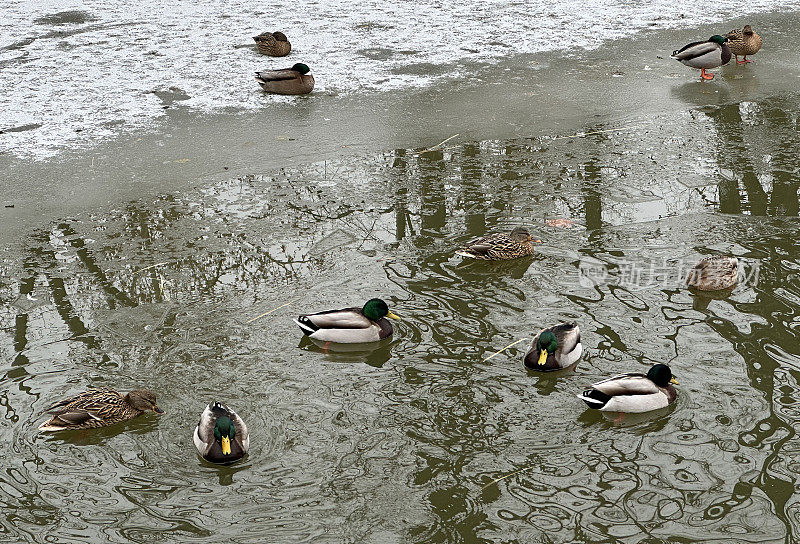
[633,393]
[500,246]
[744,42]
[714,273]
[221,436]
[349,325]
[294,80]
[704,55]
[274,44]
[555,348]
[98,408]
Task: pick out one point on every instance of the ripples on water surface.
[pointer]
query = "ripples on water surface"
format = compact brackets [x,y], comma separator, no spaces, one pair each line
[403,444]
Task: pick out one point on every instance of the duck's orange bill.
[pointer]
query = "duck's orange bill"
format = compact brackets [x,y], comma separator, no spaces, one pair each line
[226,445]
[390,315]
[676,382]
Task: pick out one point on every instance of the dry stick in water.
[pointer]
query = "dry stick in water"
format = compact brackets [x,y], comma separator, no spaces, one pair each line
[151,266]
[439,144]
[505,348]
[272,310]
[582,134]
[508,476]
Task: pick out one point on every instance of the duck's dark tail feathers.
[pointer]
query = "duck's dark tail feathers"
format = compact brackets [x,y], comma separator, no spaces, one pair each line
[594,398]
[306,325]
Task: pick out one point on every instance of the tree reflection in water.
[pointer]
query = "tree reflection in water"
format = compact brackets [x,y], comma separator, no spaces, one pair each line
[163,291]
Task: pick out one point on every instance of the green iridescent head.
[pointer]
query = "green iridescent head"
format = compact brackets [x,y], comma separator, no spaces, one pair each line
[224,428]
[302,68]
[224,431]
[661,375]
[547,342]
[376,308]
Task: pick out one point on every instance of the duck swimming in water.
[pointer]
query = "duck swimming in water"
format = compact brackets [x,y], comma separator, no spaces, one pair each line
[349,325]
[221,436]
[98,408]
[554,348]
[633,392]
[714,273]
[500,246]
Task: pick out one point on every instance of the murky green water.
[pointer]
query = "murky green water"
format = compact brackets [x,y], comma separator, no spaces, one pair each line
[407,443]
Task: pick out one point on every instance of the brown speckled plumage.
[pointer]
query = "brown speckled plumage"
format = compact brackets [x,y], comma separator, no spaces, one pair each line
[98,408]
[500,246]
[714,273]
[744,41]
[274,44]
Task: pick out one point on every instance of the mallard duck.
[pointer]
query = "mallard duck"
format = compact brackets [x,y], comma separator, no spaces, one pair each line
[98,408]
[555,348]
[274,44]
[704,55]
[714,273]
[294,80]
[349,325]
[744,42]
[634,392]
[500,246]
[221,436]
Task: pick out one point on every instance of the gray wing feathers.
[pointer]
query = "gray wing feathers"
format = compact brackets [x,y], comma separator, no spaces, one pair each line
[204,432]
[277,75]
[348,318]
[697,50]
[567,335]
[242,435]
[627,384]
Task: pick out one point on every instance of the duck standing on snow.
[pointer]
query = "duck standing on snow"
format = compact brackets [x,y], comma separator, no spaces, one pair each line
[294,80]
[633,393]
[349,325]
[274,44]
[704,55]
[554,348]
[221,436]
[500,246]
[743,42]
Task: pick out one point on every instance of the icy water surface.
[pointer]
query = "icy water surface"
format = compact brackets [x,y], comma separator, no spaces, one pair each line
[75,72]
[423,439]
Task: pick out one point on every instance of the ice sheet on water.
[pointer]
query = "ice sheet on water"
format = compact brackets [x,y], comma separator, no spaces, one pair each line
[85,69]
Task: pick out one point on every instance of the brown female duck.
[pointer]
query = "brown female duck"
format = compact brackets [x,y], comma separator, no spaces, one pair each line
[98,408]
[500,246]
[744,42]
[274,44]
[714,273]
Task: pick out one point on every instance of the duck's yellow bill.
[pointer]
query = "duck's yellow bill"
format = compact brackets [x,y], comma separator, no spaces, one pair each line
[673,380]
[390,315]
[543,357]
[226,445]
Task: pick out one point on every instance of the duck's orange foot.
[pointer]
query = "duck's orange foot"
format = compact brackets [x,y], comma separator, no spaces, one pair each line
[619,418]
[704,75]
[745,61]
